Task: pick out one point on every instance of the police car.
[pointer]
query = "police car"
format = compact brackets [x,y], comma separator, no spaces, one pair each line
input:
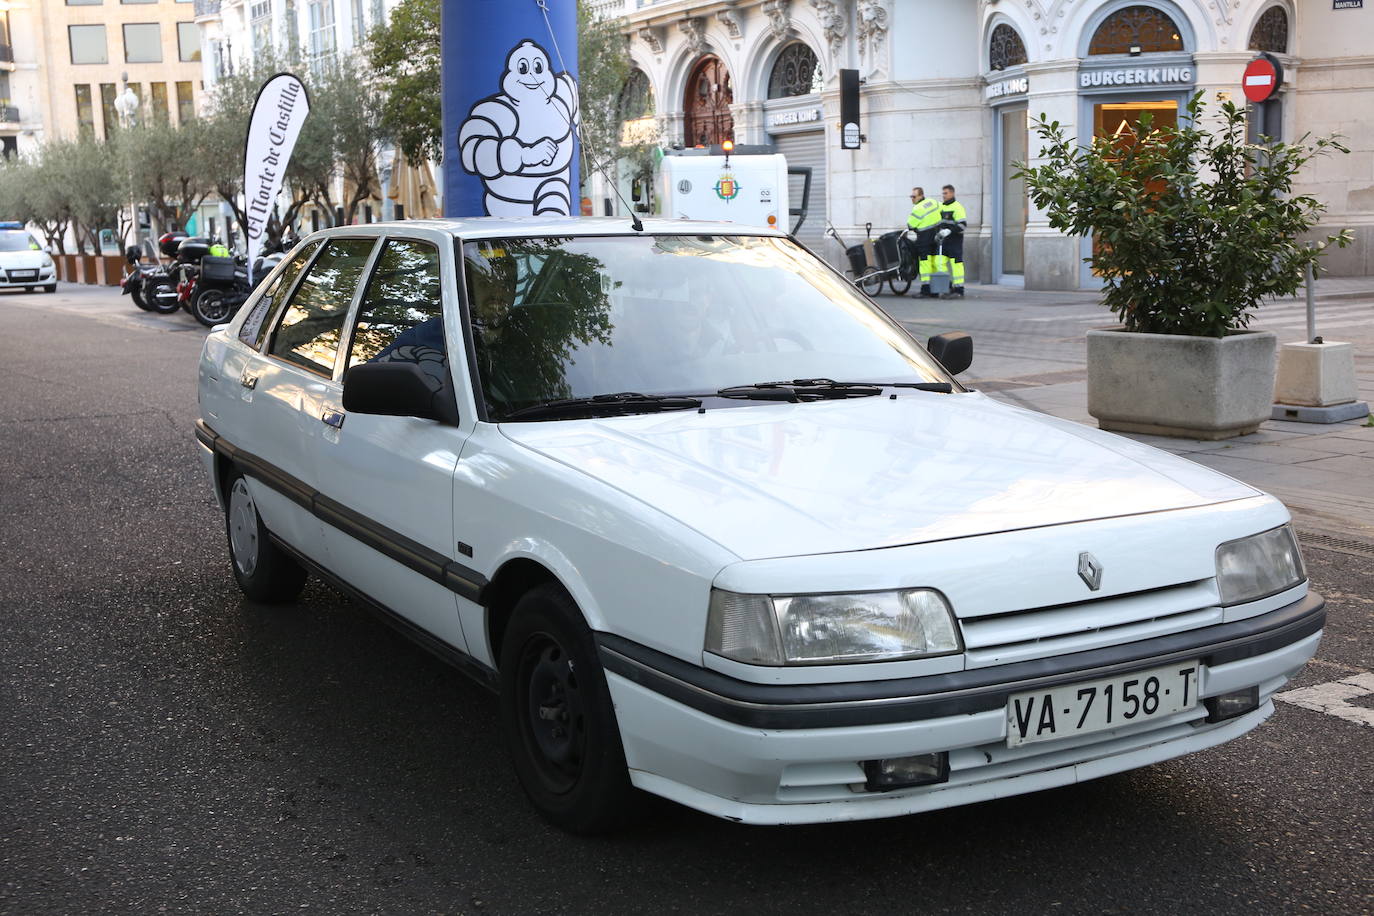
[23,262]
[714,527]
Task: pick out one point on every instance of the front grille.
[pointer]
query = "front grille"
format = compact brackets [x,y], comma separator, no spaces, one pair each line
[999,639]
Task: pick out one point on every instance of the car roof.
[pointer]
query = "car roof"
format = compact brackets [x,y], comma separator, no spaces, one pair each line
[479,227]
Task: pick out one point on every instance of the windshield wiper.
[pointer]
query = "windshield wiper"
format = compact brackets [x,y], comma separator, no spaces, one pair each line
[621,403]
[818,389]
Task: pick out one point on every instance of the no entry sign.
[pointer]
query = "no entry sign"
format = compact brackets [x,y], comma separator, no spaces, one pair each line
[1262,79]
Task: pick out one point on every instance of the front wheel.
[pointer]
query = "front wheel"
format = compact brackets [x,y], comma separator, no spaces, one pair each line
[900,281]
[871,282]
[50,288]
[266,573]
[557,718]
[211,307]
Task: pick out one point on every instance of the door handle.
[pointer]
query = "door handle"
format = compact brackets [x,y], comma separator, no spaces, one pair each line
[248,381]
[333,418]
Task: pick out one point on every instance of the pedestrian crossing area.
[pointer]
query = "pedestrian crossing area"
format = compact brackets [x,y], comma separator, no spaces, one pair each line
[1281,316]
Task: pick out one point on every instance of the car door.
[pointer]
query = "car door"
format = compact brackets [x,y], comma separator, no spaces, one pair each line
[288,383]
[386,483]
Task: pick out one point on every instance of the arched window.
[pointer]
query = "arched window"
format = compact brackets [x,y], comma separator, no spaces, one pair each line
[637,97]
[797,72]
[1136,30]
[1005,48]
[707,104]
[1271,31]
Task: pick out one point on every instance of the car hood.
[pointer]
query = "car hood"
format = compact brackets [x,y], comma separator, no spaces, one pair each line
[772,480]
[21,260]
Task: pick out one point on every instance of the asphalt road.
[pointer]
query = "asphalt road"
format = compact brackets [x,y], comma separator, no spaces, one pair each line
[169,747]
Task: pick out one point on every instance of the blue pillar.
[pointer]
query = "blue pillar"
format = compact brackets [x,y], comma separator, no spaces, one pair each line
[510,107]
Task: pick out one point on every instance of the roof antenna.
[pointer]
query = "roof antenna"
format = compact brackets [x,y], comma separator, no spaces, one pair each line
[635,224]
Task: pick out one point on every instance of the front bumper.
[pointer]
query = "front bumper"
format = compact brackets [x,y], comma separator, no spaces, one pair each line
[45,277]
[775,754]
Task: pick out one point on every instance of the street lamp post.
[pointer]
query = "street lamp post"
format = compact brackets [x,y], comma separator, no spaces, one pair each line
[126,106]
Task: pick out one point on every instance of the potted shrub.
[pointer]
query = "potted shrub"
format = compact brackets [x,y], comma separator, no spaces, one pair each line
[1193,228]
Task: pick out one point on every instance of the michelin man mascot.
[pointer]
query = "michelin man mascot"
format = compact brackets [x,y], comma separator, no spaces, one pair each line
[520,141]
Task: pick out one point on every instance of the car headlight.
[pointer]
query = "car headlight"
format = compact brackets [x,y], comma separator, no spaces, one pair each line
[1258,566]
[830,629]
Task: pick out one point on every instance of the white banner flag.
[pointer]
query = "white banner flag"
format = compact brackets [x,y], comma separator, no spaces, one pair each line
[278,114]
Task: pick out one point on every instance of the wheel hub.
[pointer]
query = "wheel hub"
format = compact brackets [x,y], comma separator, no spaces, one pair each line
[243,528]
[555,713]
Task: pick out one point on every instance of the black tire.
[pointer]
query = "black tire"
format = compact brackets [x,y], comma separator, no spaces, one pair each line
[137,296]
[557,719]
[264,572]
[871,282]
[211,307]
[906,272]
[50,288]
[28,289]
[162,297]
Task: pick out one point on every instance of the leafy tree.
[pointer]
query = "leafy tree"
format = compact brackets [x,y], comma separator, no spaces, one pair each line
[353,107]
[29,194]
[1195,226]
[166,167]
[603,69]
[405,55]
[96,194]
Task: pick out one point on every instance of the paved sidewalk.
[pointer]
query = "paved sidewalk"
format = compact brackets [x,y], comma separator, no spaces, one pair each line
[1029,351]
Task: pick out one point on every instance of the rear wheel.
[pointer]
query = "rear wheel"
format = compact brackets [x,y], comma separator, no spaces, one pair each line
[162,297]
[265,572]
[136,294]
[211,307]
[557,718]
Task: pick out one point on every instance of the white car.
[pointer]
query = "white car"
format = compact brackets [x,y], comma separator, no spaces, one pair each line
[24,264]
[556,451]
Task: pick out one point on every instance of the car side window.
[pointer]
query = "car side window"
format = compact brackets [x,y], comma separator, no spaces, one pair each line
[401,317]
[270,302]
[312,322]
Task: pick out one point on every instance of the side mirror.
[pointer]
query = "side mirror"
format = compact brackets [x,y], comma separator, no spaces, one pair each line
[398,389]
[953,350]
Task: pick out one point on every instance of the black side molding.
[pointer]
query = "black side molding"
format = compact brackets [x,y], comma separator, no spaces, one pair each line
[466,583]
[781,706]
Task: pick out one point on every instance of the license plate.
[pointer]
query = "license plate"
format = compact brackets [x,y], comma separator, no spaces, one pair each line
[1094,706]
[23,275]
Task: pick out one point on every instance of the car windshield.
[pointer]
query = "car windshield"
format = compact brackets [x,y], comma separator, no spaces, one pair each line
[17,241]
[557,318]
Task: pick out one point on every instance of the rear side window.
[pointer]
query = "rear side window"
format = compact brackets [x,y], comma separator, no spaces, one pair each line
[270,302]
[312,322]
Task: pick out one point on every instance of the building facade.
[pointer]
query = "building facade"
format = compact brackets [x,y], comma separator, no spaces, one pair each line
[950,89]
[83,53]
[237,34]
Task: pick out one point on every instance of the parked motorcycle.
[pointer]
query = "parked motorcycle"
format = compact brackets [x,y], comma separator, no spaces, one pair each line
[142,282]
[223,285]
[159,284]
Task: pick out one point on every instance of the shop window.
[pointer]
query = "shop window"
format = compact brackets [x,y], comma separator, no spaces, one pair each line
[1271,31]
[1005,48]
[1136,30]
[85,109]
[108,91]
[159,108]
[186,102]
[797,72]
[707,104]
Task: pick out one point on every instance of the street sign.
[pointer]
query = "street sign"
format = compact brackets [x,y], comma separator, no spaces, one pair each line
[1262,79]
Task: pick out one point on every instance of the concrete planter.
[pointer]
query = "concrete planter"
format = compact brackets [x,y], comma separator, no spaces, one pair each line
[1190,387]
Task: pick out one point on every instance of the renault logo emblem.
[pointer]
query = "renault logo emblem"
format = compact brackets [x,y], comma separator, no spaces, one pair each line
[1089,570]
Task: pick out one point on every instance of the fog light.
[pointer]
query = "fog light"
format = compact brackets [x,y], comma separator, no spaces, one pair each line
[905,772]
[1230,705]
